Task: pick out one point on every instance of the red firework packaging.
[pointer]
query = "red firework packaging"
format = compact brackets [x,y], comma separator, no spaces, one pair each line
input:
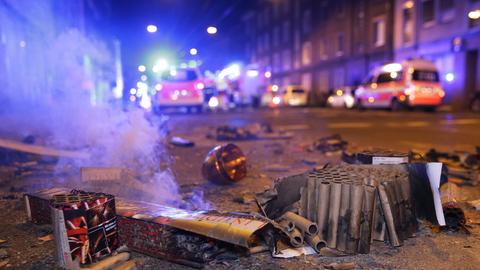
[85,227]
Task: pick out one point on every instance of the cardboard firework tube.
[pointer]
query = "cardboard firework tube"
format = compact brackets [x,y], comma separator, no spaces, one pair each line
[402,222]
[395,207]
[322,208]
[335,197]
[344,217]
[302,211]
[378,222]
[411,220]
[311,200]
[303,224]
[295,237]
[367,216]
[387,214]
[354,224]
[315,242]
[287,225]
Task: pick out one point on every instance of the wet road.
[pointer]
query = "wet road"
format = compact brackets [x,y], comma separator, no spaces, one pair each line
[393,130]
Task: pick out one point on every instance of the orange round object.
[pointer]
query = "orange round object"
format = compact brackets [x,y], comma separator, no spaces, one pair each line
[225,164]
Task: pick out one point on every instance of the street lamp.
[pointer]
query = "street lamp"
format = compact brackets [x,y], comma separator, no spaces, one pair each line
[212,30]
[142,68]
[151,28]
[193,51]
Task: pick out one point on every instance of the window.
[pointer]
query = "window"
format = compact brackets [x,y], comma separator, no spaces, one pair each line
[307,53]
[340,8]
[379,32]
[296,44]
[322,52]
[307,21]
[428,12]
[287,60]
[286,31]
[266,40]
[389,77]
[426,76]
[276,62]
[276,36]
[286,6]
[407,25]
[340,41]
[447,8]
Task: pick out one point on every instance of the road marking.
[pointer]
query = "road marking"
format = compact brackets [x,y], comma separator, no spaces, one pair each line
[350,125]
[467,121]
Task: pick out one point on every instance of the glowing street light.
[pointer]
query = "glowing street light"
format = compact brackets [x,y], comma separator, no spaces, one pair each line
[193,51]
[474,14]
[151,28]
[142,68]
[268,74]
[212,30]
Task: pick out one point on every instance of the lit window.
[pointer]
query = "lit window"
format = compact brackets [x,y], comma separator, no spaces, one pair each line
[340,45]
[307,53]
[379,32]
[407,25]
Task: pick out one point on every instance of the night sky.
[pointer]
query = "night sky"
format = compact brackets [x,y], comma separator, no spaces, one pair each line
[181,25]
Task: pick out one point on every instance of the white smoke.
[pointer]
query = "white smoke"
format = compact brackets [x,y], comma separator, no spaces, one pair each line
[78,112]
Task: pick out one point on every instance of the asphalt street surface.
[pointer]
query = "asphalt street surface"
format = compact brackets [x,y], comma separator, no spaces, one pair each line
[269,160]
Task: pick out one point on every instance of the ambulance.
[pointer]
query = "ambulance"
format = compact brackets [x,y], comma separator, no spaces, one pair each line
[413,83]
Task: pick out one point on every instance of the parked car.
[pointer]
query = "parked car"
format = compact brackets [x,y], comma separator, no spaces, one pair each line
[180,88]
[295,95]
[413,83]
[342,97]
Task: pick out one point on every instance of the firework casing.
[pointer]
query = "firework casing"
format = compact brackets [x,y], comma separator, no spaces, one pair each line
[85,227]
[353,236]
[302,210]
[366,220]
[315,242]
[37,205]
[295,237]
[335,197]
[311,200]
[322,208]
[344,217]
[388,215]
[303,224]
[287,225]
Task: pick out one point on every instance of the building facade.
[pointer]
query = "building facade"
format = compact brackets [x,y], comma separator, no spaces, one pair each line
[326,44]
[321,45]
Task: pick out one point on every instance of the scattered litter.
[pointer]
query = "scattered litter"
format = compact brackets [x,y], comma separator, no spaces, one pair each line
[294,252]
[46,238]
[110,262]
[251,132]
[276,168]
[182,142]
[330,144]
[309,162]
[3,254]
[225,164]
[3,263]
[244,198]
[2,241]
[375,156]
[341,266]
[40,150]
[475,204]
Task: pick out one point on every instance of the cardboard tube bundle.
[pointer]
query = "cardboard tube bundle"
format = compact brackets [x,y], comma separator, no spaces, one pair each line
[353,205]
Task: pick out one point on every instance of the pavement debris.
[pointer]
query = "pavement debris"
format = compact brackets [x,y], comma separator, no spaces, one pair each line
[251,132]
[475,204]
[182,142]
[3,254]
[340,266]
[329,144]
[46,238]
